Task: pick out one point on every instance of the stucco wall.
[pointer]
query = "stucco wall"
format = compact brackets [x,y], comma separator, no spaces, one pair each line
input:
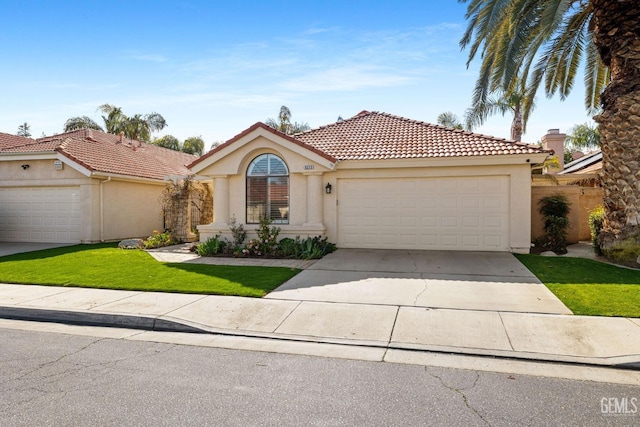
[40,172]
[130,210]
[581,200]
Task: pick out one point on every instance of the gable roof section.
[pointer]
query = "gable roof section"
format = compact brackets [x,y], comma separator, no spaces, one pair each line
[374,135]
[106,153]
[257,126]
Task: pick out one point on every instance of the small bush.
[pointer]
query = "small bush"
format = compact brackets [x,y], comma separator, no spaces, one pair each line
[623,252]
[596,218]
[213,246]
[267,241]
[239,234]
[316,247]
[159,240]
[309,248]
[288,247]
[555,209]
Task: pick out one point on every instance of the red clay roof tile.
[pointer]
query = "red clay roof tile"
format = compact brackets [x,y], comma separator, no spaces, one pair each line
[103,152]
[374,135]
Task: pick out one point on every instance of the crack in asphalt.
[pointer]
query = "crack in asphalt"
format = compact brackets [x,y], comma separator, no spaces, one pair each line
[48,380]
[461,391]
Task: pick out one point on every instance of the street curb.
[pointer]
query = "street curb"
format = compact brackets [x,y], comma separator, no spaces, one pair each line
[159,324]
[96,319]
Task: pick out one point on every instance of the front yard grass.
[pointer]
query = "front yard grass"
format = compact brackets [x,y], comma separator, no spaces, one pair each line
[105,266]
[588,287]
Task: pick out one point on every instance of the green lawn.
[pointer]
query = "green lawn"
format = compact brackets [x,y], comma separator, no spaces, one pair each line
[588,287]
[106,266]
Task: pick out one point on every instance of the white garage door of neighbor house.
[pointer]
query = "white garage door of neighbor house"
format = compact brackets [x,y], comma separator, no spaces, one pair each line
[40,214]
[453,213]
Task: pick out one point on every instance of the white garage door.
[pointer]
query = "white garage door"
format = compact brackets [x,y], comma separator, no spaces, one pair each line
[40,214]
[458,213]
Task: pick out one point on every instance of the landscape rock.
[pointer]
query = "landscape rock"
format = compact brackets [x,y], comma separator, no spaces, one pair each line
[131,244]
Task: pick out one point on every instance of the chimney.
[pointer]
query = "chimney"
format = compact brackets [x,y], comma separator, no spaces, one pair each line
[554,140]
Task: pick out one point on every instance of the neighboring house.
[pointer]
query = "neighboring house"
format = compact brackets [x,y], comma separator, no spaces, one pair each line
[590,163]
[577,181]
[376,181]
[82,186]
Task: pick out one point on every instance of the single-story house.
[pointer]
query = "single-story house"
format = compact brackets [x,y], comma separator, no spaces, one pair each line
[376,181]
[83,186]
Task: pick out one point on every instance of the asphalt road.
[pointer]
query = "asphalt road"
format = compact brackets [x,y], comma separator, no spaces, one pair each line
[62,380]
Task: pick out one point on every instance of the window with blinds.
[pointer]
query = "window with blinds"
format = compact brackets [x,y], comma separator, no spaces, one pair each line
[268,190]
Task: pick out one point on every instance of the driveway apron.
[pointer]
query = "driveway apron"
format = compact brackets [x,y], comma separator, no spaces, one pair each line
[484,281]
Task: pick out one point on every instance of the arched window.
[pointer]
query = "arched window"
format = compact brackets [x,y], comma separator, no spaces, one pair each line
[268,190]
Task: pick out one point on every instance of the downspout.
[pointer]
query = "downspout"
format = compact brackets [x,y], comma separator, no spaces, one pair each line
[102,208]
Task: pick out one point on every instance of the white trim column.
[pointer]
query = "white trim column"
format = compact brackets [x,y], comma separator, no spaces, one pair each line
[314,199]
[221,200]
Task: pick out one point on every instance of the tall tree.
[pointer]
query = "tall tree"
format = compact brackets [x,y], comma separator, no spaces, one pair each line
[81,122]
[516,103]
[138,126]
[553,38]
[24,130]
[583,137]
[169,141]
[284,125]
[450,120]
[193,145]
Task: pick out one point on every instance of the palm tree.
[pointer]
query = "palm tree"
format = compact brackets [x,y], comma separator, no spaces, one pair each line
[284,125]
[138,126]
[193,145]
[450,120]
[114,119]
[514,102]
[81,122]
[583,136]
[552,38]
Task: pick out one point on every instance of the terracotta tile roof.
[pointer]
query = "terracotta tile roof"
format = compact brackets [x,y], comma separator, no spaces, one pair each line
[7,140]
[102,152]
[374,135]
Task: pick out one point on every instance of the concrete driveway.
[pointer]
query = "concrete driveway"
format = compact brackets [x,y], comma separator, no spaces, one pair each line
[492,281]
[10,248]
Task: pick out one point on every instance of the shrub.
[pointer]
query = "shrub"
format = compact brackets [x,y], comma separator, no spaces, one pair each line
[267,241]
[239,234]
[288,247]
[213,246]
[309,248]
[158,240]
[623,251]
[316,247]
[555,209]
[596,218]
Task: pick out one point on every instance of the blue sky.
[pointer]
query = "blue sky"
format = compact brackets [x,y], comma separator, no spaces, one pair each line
[214,68]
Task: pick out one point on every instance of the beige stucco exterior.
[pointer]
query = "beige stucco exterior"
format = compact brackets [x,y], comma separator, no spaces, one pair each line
[313,212]
[112,207]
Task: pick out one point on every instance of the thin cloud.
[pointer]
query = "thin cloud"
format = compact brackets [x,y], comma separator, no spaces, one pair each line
[345,79]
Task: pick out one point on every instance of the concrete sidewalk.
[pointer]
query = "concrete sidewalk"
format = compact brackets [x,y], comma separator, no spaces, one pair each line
[547,337]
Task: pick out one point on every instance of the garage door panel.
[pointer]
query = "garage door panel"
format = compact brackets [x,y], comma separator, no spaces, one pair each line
[40,214]
[456,213]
